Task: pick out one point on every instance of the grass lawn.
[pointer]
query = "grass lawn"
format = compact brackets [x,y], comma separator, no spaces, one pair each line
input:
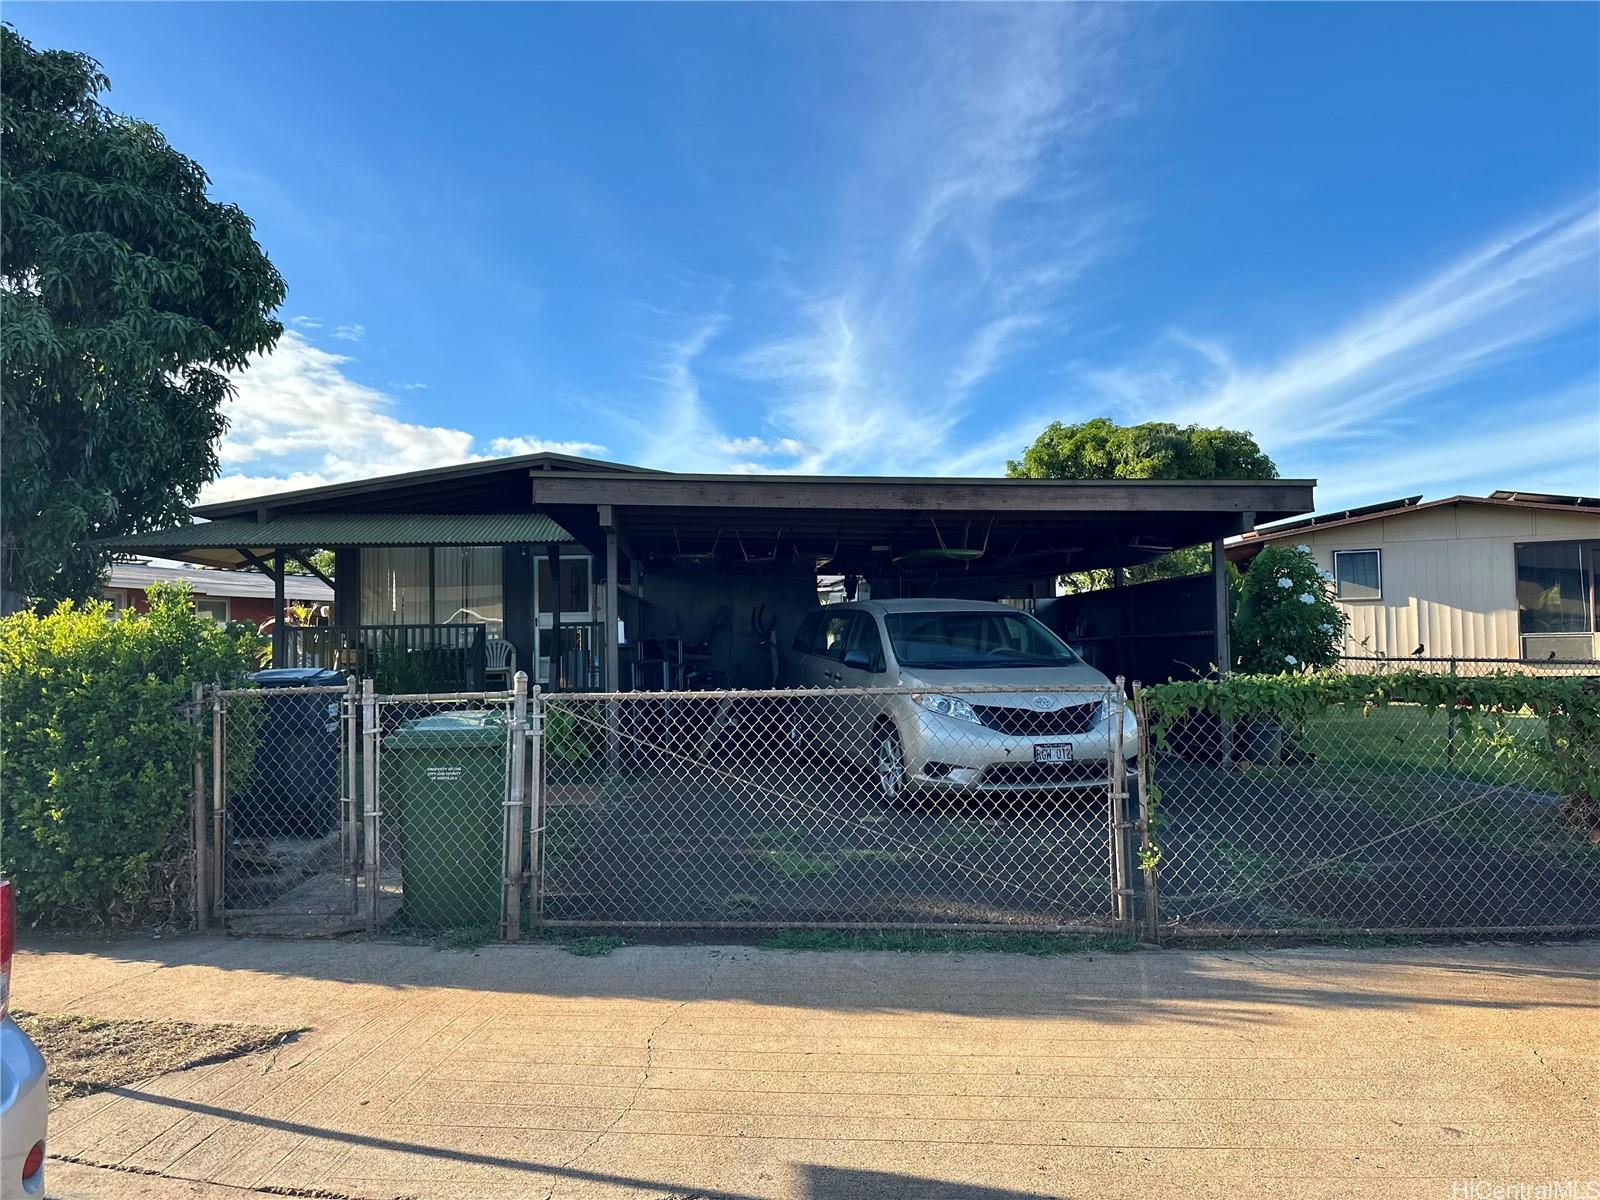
[1406,739]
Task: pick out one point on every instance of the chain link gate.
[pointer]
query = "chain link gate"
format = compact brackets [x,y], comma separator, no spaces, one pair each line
[994,809]
[443,807]
[284,836]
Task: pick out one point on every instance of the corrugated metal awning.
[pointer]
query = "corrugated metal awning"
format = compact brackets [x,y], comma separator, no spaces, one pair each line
[217,543]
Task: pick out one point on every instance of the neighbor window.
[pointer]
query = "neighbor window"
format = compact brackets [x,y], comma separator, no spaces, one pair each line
[1557,587]
[217,610]
[1358,574]
[396,586]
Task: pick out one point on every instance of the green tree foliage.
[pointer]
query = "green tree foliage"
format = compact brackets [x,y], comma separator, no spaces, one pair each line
[1286,620]
[322,560]
[98,752]
[126,294]
[1102,449]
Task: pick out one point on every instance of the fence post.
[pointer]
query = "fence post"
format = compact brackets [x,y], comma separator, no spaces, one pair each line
[352,785]
[202,866]
[535,738]
[1120,892]
[369,796]
[1152,904]
[1450,724]
[219,805]
[516,790]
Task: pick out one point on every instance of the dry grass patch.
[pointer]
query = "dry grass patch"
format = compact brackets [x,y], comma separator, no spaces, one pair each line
[87,1055]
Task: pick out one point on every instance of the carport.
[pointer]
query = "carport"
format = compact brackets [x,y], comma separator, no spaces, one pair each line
[723,566]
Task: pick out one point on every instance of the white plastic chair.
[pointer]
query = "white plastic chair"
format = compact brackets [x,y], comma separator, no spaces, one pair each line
[499,658]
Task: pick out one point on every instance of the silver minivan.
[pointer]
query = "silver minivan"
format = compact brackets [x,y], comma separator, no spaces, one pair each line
[993,701]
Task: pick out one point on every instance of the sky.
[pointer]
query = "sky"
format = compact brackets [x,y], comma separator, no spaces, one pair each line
[897,239]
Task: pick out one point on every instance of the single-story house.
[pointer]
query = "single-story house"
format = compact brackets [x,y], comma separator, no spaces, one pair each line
[595,575]
[1511,575]
[223,595]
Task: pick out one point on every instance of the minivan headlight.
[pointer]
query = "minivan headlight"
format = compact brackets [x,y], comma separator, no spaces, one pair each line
[946,706]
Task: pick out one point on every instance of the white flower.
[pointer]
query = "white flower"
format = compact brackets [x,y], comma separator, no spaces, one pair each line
[1303,547]
[1325,628]
[1291,660]
[1286,583]
[1327,575]
[1307,598]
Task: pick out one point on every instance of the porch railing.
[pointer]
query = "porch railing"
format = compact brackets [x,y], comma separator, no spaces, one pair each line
[580,655]
[401,658]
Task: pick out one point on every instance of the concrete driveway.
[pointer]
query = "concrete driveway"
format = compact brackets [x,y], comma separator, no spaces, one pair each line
[731,1072]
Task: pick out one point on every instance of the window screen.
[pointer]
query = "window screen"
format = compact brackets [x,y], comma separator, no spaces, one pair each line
[467,587]
[1358,574]
[395,586]
[1556,587]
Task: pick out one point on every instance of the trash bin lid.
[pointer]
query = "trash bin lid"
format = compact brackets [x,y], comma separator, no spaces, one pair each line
[278,677]
[476,727]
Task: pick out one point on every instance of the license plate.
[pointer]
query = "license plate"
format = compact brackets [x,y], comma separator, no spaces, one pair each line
[1053,752]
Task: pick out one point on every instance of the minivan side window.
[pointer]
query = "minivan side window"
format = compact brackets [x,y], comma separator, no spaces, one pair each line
[806,635]
[835,633]
[864,637]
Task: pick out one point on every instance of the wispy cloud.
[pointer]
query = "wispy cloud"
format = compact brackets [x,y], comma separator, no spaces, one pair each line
[350,333]
[1500,301]
[304,322]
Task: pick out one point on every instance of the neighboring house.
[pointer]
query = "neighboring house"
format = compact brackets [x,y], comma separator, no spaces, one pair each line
[223,595]
[1511,575]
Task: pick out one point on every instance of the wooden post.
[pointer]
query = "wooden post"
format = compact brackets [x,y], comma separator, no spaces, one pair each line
[612,681]
[1224,640]
[280,613]
[552,551]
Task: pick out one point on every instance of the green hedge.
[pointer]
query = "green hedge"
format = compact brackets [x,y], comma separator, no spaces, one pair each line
[96,754]
[1569,706]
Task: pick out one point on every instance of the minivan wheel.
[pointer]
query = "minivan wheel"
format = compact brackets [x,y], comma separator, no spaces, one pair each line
[891,766]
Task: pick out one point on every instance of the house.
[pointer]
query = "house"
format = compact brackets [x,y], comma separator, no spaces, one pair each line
[1511,575]
[224,595]
[595,575]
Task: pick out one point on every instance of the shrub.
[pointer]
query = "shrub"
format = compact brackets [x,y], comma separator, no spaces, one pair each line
[96,753]
[1286,619]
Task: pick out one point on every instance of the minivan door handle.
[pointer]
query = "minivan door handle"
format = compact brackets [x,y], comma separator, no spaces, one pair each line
[833,675]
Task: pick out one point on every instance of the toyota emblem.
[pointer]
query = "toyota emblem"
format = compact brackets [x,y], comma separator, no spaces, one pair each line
[1044,703]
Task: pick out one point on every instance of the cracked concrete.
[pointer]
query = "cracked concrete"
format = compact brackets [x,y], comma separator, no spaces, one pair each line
[726,1073]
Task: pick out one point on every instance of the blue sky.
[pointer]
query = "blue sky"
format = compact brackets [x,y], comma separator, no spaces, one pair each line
[898,239]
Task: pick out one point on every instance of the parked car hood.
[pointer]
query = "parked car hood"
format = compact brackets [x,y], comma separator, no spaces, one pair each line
[1030,679]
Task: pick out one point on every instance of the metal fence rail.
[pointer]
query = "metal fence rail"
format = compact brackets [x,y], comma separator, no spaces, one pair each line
[1371,664]
[832,807]
[1396,818]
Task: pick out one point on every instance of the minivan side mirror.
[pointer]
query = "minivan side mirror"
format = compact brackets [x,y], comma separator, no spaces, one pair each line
[859,660]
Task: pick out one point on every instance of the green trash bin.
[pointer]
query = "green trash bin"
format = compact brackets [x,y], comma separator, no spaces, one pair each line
[448,774]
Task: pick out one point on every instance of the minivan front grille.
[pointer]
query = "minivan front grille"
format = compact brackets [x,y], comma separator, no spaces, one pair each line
[1030,722]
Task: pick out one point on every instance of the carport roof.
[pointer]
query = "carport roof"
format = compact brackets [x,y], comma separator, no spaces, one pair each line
[872,525]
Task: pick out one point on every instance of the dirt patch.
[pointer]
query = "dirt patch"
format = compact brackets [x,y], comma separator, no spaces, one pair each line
[88,1055]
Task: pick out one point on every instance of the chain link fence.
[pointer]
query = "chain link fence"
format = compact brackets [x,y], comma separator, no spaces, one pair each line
[987,810]
[1470,668]
[442,806]
[283,836]
[1365,817]
[1367,809]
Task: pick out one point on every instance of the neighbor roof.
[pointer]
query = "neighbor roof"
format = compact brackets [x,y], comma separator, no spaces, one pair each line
[1408,504]
[139,576]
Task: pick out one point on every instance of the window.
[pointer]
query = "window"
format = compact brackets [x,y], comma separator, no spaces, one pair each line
[1556,587]
[805,637]
[575,589]
[865,640]
[1358,574]
[396,586]
[952,640]
[445,585]
[466,587]
[835,631]
[217,610]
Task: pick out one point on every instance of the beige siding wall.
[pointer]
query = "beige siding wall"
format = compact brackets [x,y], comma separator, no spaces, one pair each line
[1449,576]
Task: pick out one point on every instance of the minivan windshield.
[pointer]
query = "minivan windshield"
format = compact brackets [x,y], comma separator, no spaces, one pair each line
[958,640]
